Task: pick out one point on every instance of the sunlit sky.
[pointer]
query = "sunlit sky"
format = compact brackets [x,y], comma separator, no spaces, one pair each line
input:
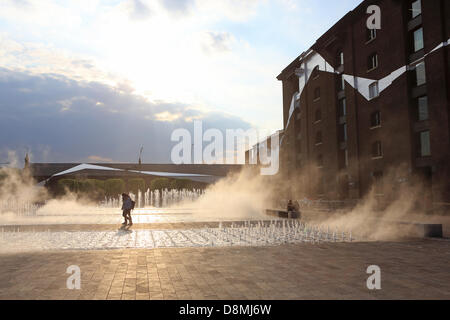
[202,59]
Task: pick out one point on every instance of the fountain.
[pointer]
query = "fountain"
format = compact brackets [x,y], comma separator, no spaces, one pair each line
[20,208]
[155,198]
[237,233]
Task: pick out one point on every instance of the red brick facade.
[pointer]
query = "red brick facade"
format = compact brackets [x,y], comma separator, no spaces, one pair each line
[340,155]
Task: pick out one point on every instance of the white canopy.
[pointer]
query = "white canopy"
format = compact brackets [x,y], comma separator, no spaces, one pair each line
[86,166]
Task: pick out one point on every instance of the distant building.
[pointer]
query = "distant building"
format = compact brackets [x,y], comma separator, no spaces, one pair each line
[253,155]
[361,104]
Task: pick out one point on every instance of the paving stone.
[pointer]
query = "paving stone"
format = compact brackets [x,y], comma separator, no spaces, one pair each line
[409,270]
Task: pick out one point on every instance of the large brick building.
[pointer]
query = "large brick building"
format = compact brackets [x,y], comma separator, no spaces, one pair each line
[370,109]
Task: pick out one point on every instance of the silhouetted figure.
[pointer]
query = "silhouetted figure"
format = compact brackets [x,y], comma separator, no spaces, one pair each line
[293,209]
[27,161]
[140,155]
[290,206]
[127,205]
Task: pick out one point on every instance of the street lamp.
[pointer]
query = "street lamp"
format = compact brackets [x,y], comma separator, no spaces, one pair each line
[140,155]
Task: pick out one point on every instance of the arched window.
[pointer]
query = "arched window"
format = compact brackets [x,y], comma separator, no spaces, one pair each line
[340,58]
[375,119]
[318,115]
[318,137]
[376,149]
[317,93]
[320,161]
[373,90]
[315,73]
[372,62]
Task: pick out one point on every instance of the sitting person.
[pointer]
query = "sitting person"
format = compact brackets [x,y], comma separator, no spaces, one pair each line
[293,209]
[290,206]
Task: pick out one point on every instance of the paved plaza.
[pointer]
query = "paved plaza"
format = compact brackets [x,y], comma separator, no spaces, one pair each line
[409,270]
[181,256]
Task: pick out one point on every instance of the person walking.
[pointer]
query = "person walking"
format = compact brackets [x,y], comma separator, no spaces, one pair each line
[127,205]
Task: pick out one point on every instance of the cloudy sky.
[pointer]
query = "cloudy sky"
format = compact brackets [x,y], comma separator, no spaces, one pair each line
[93,80]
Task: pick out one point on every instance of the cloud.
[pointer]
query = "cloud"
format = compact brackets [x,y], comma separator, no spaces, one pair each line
[43,13]
[99,159]
[61,119]
[138,10]
[20,3]
[167,116]
[234,10]
[39,58]
[217,42]
[83,63]
[177,6]
[201,52]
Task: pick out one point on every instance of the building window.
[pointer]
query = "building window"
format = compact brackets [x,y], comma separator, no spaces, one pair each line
[425,147]
[342,107]
[346,158]
[343,187]
[422,108]
[371,34]
[418,39]
[315,72]
[343,132]
[317,94]
[372,62]
[375,119]
[318,137]
[343,159]
[320,161]
[341,83]
[318,115]
[416,8]
[373,90]
[377,152]
[340,58]
[378,181]
[321,187]
[420,74]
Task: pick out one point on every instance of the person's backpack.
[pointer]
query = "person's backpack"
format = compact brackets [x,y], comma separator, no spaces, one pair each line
[133,203]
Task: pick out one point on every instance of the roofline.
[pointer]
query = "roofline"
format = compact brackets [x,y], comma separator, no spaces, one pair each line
[287,72]
[130,163]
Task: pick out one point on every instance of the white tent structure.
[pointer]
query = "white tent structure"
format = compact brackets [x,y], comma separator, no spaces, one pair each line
[84,166]
[175,175]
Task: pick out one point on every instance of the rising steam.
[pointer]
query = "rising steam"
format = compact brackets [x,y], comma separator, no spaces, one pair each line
[242,196]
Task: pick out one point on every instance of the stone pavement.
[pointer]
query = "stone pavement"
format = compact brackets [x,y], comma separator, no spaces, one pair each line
[409,270]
